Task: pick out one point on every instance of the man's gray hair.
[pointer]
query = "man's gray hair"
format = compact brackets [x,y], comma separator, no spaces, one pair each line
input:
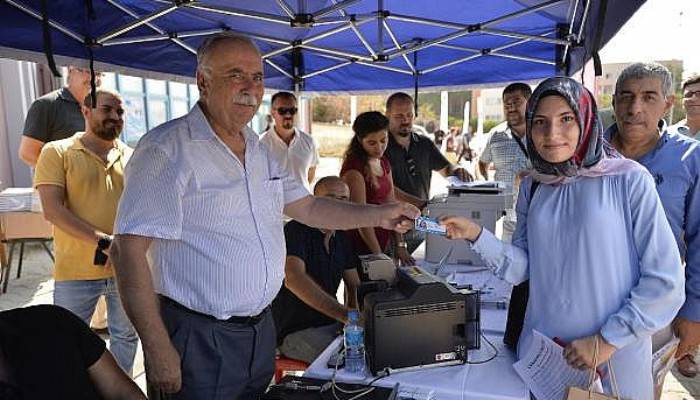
[212,41]
[647,70]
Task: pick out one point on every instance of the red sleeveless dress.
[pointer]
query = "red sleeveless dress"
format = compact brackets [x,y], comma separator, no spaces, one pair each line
[378,194]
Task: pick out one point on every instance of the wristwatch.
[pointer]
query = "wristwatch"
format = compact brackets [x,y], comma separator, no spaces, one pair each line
[402,244]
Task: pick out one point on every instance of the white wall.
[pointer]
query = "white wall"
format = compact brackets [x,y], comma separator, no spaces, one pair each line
[17,91]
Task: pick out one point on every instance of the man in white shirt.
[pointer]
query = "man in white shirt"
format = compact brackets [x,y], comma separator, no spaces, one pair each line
[294,149]
[199,247]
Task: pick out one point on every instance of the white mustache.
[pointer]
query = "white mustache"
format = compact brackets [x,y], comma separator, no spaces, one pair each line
[245,100]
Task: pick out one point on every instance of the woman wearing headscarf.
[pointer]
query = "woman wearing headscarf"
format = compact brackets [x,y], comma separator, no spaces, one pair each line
[593,240]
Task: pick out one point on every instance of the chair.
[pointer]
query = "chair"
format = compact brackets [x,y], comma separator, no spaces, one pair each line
[286,366]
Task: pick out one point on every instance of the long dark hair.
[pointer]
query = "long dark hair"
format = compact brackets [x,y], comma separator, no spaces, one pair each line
[365,124]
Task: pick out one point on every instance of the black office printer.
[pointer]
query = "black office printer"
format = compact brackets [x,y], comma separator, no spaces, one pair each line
[420,322]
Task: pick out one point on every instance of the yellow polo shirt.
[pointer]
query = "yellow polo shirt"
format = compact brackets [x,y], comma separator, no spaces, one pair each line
[92,191]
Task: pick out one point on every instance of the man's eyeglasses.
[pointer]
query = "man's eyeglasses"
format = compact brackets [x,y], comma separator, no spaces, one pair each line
[287,110]
[691,94]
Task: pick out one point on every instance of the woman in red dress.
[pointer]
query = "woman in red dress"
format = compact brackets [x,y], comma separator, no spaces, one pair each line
[368,174]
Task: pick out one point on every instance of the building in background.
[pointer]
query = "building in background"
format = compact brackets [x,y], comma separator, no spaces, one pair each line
[149,103]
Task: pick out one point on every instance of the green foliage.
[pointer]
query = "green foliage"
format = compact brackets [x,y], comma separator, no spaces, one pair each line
[489,124]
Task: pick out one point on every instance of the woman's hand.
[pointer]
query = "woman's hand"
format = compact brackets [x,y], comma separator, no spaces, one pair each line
[460,228]
[579,353]
[404,257]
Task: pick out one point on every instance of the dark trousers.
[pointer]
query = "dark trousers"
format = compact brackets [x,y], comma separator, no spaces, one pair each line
[219,359]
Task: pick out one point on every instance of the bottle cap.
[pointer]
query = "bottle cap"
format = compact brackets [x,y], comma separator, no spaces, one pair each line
[353,316]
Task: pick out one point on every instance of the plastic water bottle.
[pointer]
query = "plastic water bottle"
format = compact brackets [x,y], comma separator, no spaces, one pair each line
[354,344]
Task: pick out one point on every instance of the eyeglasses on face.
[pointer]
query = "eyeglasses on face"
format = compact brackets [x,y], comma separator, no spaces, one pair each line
[691,93]
[287,110]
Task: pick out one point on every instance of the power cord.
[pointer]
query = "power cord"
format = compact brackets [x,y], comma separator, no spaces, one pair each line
[495,353]
[358,393]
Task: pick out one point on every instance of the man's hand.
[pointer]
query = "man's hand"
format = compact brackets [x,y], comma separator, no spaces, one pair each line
[404,257]
[398,216]
[462,174]
[460,228]
[163,367]
[579,353]
[689,333]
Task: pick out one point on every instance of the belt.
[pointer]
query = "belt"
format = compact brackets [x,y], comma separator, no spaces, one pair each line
[250,320]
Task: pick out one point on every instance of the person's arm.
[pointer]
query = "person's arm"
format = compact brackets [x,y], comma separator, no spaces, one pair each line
[485,159]
[658,292]
[29,150]
[311,174]
[352,282]
[111,382]
[459,172]
[687,324]
[409,198]
[36,131]
[356,183]
[316,158]
[508,261]
[321,212]
[133,275]
[55,211]
[400,249]
[439,163]
[50,182]
[484,169]
[307,290]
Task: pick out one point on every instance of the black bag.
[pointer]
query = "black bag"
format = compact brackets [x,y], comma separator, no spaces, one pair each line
[518,301]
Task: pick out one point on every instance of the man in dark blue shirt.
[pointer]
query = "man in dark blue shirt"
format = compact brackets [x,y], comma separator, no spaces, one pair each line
[306,312]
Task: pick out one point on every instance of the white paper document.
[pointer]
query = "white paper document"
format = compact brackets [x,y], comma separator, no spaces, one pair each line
[663,360]
[545,371]
[455,182]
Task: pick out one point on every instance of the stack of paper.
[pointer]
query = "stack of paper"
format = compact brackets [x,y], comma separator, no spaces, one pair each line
[19,199]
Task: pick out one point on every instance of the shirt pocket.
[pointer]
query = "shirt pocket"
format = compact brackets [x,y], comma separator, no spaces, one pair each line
[215,203]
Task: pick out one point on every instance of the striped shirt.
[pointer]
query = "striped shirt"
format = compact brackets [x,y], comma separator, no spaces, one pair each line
[503,150]
[218,243]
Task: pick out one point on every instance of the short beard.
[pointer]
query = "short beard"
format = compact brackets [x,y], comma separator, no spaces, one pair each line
[403,133]
[107,134]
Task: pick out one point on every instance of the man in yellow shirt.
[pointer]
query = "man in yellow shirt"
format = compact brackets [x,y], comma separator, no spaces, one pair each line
[80,180]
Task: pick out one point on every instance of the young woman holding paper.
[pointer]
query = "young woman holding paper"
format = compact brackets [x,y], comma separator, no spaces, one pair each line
[592,239]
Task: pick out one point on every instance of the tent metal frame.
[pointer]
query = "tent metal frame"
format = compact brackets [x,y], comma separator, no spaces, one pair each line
[336,14]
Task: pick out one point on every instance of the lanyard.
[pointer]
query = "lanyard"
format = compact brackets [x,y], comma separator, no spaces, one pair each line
[520,143]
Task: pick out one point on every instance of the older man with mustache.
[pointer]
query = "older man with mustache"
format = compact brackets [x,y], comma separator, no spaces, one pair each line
[643,95]
[199,250]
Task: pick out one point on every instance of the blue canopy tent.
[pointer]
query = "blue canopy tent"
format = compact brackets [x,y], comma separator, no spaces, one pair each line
[324,45]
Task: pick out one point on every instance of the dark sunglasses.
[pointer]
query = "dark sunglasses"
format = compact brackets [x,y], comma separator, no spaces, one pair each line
[285,110]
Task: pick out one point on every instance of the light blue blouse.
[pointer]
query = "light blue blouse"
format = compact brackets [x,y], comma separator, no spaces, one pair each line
[601,258]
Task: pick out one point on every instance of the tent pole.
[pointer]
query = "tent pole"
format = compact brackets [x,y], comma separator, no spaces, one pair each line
[335,7]
[135,24]
[380,26]
[415,85]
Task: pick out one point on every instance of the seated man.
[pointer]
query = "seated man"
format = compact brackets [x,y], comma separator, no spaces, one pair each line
[306,312]
[46,352]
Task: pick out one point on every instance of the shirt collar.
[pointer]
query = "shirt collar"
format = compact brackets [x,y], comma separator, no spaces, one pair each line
[414,139]
[112,157]
[276,137]
[201,130]
[66,95]
[663,128]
